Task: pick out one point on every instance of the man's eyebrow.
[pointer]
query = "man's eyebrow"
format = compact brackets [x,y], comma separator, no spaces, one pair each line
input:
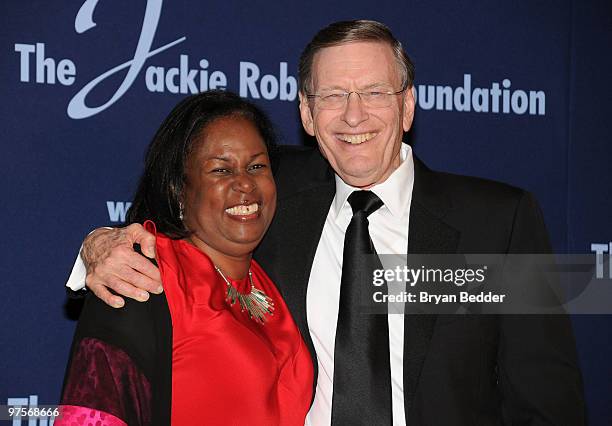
[366,87]
[376,85]
[329,88]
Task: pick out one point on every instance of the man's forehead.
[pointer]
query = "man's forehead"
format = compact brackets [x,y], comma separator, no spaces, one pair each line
[352,50]
[369,61]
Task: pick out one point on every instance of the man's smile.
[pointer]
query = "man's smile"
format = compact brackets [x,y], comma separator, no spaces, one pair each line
[356,139]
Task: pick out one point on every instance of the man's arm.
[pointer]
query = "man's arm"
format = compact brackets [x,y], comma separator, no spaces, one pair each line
[110,262]
[538,368]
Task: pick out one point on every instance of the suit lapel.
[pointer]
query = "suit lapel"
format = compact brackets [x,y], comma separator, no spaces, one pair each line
[288,258]
[427,234]
[307,212]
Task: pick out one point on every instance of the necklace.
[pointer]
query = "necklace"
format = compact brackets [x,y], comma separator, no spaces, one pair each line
[256,303]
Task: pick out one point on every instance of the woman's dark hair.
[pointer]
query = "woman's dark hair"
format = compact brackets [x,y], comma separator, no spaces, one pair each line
[161,185]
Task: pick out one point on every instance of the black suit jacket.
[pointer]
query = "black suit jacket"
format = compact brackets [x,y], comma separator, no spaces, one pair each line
[458,370]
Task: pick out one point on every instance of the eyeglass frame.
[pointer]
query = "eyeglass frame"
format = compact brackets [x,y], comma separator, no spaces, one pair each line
[347,95]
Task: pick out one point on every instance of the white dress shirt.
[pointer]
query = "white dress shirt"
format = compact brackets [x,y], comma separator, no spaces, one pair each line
[389,232]
[76,280]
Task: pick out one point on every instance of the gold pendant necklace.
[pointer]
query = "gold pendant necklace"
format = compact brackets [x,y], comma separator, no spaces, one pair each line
[256,303]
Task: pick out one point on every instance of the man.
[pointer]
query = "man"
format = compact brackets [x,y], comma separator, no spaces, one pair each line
[356,99]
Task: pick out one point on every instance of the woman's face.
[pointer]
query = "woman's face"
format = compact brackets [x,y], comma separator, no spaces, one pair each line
[230,196]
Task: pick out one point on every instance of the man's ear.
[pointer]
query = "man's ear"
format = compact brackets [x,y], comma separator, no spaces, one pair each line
[306,115]
[409,105]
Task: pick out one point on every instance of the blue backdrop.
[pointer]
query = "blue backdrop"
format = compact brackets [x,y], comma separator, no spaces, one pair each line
[516,91]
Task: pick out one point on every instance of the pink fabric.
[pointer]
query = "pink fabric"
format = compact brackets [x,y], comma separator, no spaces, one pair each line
[71,415]
[103,377]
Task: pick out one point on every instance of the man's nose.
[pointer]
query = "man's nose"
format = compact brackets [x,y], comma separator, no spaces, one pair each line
[354,110]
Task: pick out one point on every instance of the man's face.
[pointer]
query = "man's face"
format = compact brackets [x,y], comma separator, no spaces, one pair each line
[361,144]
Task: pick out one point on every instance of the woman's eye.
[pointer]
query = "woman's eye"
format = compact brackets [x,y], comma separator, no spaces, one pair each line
[257,166]
[220,171]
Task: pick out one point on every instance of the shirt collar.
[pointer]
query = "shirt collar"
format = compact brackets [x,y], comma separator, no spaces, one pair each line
[394,192]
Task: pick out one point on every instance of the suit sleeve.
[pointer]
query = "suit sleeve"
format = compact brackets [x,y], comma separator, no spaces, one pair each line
[538,370]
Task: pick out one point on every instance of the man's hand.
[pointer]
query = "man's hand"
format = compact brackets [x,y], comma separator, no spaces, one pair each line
[112,263]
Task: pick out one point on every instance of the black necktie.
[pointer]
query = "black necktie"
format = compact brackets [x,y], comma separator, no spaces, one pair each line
[362,372]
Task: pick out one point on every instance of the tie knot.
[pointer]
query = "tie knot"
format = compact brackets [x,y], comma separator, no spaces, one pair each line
[364,201]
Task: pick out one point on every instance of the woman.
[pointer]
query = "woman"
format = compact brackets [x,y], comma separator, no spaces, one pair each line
[219,345]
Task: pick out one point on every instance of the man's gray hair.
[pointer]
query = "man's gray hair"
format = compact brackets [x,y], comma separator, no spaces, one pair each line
[348,32]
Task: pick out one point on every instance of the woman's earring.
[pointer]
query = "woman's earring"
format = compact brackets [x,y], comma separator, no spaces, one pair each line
[181,211]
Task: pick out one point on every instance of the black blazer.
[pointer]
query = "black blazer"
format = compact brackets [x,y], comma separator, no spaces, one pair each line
[458,370]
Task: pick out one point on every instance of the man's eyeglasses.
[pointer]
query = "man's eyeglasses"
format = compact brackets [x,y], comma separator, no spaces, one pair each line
[338,100]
